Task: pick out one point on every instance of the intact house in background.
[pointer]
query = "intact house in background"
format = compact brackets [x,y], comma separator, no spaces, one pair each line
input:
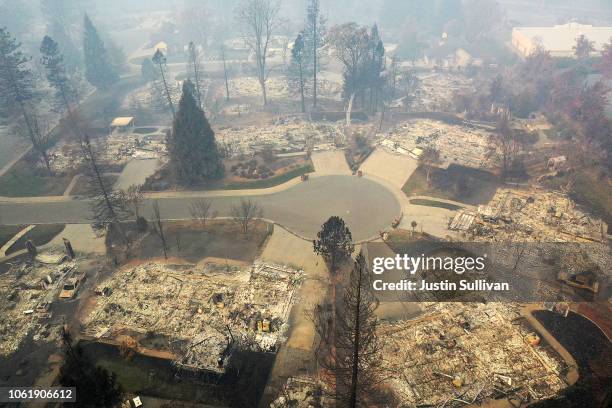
[122,124]
[559,39]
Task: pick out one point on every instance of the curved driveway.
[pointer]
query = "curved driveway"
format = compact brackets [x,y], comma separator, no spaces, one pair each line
[365,205]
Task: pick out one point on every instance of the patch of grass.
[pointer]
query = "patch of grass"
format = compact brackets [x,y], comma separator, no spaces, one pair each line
[82,186]
[219,239]
[437,204]
[403,242]
[457,183]
[8,231]
[26,180]
[40,235]
[593,193]
[269,182]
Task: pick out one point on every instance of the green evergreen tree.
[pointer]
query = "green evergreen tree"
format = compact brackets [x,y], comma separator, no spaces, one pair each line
[62,17]
[17,93]
[55,71]
[96,387]
[334,242]
[191,144]
[98,68]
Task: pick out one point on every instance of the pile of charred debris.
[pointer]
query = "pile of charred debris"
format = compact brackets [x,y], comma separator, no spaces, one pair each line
[464,145]
[530,215]
[457,354]
[27,291]
[205,312]
[286,135]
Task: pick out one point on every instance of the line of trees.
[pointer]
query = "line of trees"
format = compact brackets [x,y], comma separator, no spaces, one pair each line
[20,97]
[361,52]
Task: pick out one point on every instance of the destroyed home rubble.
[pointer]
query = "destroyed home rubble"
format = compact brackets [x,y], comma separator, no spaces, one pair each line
[530,215]
[458,144]
[27,291]
[116,150]
[437,89]
[206,312]
[301,392]
[288,134]
[463,352]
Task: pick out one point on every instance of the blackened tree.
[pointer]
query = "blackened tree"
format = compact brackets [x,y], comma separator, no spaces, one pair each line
[195,70]
[297,67]
[334,242]
[259,18]
[159,59]
[314,40]
[193,152]
[349,349]
[99,70]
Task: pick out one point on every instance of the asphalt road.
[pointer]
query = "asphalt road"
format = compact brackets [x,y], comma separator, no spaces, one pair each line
[366,206]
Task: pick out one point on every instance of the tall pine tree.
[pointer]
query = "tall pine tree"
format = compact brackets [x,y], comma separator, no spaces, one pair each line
[17,93]
[99,70]
[191,144]
[55,70]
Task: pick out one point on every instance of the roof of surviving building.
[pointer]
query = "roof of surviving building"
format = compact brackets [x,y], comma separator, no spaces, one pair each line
[561,38]
[122,121]
[162,45]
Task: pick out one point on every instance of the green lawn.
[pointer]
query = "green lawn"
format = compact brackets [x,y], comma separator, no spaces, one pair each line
[8,231]
[24,180]
[457,183]
[433,203]
[269,182]
[594,194]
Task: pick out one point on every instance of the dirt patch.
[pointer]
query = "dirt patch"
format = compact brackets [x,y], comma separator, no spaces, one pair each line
[219,239]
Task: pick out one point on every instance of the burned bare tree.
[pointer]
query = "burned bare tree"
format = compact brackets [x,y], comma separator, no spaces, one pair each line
[259,18]
[195,69]
[245,213]
[17,92]
[160,60]
[349,350]
[429,158]
[158,225]
[107,204]
[201,210]
[133,199]
[227,94]
[334,242]
[505,144]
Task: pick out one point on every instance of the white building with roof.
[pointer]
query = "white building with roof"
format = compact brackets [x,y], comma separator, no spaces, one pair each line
[559,40]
